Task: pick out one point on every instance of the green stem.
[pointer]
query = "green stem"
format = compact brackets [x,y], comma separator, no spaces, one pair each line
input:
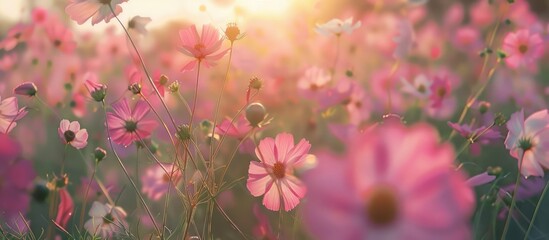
[531,225]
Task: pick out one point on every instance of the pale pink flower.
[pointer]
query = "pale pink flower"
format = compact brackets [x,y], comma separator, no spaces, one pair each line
[405,39]
[70,133]
[127,125]
[522,48]
[273,174]
[106,220]
[337,27]
[156,180]
[480,179]
[98,10]
[313,79]
[528,141]
[138,24]
[9,113]
[39,15]
[420,88]
[201,47]
[395,183]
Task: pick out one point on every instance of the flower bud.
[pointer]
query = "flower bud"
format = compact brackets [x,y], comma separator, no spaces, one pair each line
[484,107]
[255,83]
[135,88]
[99,154]
[163,80]
[40,192]
[97,91]
[174,87]
[255,114]
[183,132]
[232,32]
[26,89]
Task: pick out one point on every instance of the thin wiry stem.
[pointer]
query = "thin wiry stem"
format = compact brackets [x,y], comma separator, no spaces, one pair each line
[531,225]
[127,174]
[513,199]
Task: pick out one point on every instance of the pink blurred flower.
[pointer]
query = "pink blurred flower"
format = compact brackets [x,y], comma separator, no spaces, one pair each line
[481,134]
[156,181]
[70,133]
[16,176]
[395,183]
[528,141]
[480,179]
[9,113]
[313,79]
[273,175]
[39,15]
[440,90]
[522,48]
[127,125]
[60,36]
[263,228]
[203,48]
[239,130]
[99,10]
[405,39]
[106,220]
[420,88]
[17,34]
[65,209]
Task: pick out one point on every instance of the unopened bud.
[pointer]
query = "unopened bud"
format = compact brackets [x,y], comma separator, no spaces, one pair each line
[174,87]
[232,32]
[255,114]
[26,89]
[135,88]
[183,132]
[255,83]
[163,80]
[500,119]
[484,107]
[99,154]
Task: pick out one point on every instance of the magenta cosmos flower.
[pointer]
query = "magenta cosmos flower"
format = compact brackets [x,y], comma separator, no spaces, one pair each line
[528,141]
[156,180]
[395,183]
[273,174]
[127,125]
[523,48]
[98,10]
[70,133]
[202,47]
[16,176]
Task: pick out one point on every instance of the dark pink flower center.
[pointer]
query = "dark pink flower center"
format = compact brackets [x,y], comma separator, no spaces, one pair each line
[279,170]
[57,43]
[523,49]
[199,47]
[381,206]
[69,135]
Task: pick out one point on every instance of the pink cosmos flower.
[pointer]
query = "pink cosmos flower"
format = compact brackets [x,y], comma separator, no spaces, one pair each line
[440,90]
[480,179]
[467,131]
[106,220]
[313,79]
[523,48]
[17,34]
[273,174]
[203,48]
[9,113]
[127,125]
[395,183]
[65,209]
[70,133]
[420,88]
[60,36]
[156,181]
[528,141]
[99,10]
[238,130]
